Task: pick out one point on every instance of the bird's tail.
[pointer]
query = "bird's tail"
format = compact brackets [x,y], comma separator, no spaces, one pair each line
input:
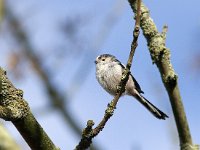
[153,109]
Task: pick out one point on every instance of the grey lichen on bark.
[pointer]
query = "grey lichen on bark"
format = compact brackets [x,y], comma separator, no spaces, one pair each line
[160,55]
[12,104]
[14,108]
[87,135]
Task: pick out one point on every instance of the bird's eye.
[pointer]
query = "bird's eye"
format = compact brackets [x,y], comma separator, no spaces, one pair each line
[103,59]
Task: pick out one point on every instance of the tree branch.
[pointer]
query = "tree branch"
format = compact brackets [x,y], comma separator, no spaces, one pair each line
[7,141]
[160,55]
[88,133]
[14,108]
[1,10]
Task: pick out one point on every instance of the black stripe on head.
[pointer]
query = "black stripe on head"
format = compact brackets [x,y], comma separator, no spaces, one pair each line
[106,55]
[113,58]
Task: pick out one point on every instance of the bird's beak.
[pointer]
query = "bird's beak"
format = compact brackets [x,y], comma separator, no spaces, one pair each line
[95,62]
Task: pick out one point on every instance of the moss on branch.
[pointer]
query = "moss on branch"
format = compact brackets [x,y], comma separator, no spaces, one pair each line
[160,55]
[12,104]
[14,108]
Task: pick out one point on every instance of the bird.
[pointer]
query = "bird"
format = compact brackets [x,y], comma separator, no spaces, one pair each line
[109,72]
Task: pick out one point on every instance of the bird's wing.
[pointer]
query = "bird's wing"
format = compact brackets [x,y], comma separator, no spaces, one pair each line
[137,86]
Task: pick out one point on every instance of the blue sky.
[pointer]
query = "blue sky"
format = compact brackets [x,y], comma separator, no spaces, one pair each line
[131,127]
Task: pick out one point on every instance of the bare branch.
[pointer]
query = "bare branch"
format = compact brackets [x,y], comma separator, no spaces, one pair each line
[88,133]
[160,55]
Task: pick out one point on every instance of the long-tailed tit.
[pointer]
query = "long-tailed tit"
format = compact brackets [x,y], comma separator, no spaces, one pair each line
[109,72]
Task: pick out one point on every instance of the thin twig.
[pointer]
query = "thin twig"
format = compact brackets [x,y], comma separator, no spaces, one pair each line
[88,133]
[136,33]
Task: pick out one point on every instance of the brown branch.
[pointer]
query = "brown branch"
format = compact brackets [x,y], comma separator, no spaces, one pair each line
[88,133]
[160,55]
[14,108]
